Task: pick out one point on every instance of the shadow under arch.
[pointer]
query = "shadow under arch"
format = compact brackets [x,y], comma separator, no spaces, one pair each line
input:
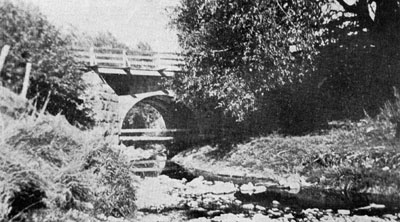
[175,115]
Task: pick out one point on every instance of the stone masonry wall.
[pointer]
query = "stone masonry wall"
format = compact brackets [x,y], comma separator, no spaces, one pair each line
[103,101]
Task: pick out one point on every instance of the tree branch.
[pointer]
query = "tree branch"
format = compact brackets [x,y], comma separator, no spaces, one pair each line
[360,8]
[349,8]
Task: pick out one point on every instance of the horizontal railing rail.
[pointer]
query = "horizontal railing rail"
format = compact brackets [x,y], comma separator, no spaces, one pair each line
[146,138]
[150,130]
[147,134]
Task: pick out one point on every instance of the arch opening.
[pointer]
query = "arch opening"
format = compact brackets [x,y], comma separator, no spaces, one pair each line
[158,116]
[143,116]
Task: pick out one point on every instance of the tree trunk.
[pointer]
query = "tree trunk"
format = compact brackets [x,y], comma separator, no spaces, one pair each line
[398,130]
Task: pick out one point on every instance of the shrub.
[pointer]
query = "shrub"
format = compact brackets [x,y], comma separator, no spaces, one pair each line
[391,112]
[115,189]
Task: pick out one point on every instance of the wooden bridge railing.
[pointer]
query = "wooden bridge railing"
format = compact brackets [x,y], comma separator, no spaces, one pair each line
[169,62]
[140,134]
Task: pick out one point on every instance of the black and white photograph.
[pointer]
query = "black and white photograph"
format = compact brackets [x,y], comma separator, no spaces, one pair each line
[199,110]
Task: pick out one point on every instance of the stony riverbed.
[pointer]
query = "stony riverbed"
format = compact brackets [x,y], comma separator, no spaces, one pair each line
[166,199]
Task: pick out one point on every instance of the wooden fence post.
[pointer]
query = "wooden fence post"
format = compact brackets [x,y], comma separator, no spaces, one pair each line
[3,55]
[25,85]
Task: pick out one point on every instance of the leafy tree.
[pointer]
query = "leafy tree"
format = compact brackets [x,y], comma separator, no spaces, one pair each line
[100,40]
[106,40]
[143,47]
[239,50]
[54,73]
[299,63]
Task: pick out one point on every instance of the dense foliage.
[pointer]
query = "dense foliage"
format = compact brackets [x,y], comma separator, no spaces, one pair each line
[54,73]
[239,50]
[288,65]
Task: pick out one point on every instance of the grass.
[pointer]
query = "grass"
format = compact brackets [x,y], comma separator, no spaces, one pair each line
[358,156]
[334,160]
[49,169]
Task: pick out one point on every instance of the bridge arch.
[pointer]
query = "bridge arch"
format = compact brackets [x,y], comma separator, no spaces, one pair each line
[175,115]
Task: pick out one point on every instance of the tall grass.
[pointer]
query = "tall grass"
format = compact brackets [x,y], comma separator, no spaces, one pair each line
[48,168]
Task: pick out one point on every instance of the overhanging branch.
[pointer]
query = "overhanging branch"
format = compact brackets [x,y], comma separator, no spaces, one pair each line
[349,8]
[360,8]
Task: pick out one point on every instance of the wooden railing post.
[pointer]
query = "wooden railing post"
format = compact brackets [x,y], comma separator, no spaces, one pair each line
[3,55]
[156,61]
[25,84]
[92,61]
[125,61]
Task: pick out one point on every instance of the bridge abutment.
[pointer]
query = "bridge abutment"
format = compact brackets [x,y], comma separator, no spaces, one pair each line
[103,102]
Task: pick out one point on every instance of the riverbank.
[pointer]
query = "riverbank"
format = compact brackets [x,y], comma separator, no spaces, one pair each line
[360,157]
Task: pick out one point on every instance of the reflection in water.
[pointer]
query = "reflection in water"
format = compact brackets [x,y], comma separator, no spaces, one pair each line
[324,199]
[175,171]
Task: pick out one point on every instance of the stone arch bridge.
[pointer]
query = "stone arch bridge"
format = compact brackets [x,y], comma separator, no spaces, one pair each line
[136,78]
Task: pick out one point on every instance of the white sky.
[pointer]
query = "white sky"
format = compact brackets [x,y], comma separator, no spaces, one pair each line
[130,21]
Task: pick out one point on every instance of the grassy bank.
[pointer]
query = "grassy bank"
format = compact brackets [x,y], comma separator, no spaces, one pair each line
[52,171]
[362,157]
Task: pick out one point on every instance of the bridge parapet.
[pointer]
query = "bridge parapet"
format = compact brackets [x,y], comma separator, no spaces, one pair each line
[121,61]
[130,72]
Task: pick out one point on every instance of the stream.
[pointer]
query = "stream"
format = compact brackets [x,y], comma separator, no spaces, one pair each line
[176,195]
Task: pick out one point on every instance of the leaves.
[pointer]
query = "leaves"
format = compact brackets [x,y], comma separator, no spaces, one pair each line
[245,46]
